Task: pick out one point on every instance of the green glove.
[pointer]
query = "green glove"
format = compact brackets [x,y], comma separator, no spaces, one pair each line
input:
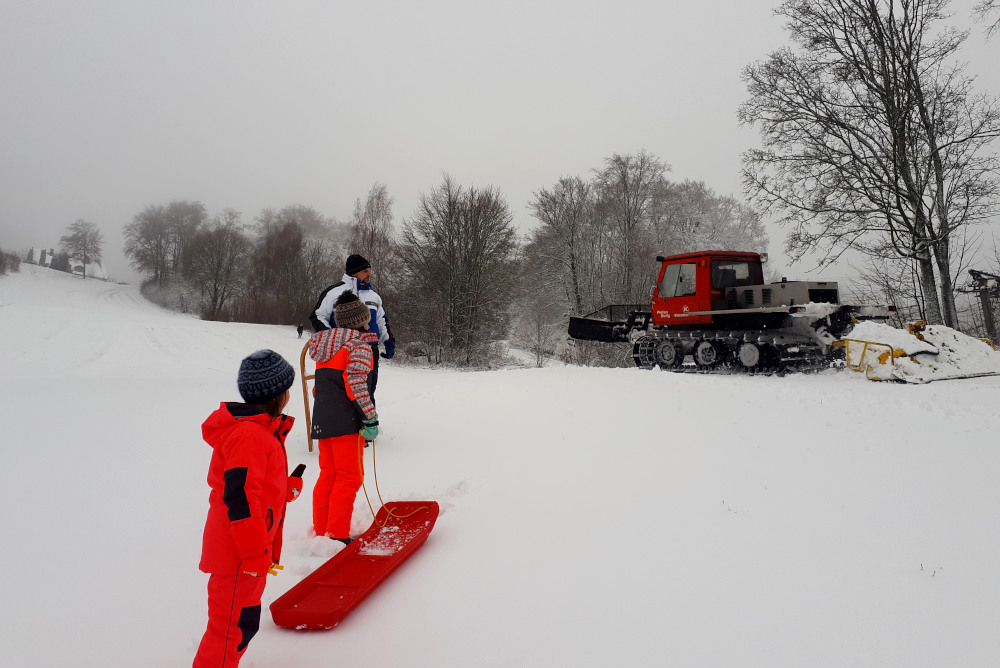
[371,429]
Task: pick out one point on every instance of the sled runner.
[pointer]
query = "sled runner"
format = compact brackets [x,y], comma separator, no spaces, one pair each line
[329,593]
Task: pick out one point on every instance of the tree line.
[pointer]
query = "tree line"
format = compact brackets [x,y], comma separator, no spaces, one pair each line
[455,276]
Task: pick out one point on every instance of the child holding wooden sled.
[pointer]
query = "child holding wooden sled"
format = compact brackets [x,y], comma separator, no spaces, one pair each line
[248,475]
[344,416]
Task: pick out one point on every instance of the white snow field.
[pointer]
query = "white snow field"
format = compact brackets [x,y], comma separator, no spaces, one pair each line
[590,517]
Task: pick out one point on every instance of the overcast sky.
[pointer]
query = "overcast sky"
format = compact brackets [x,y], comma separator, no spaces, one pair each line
[111,106]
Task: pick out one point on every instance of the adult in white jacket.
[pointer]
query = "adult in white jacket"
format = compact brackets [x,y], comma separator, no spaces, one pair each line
[357,273]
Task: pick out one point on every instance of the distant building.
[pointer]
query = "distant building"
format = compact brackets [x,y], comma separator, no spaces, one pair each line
[41,256]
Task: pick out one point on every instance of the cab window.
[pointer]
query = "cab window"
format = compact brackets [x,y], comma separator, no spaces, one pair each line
[729,274]
[678,280]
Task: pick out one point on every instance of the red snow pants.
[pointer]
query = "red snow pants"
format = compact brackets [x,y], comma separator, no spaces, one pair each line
[233,619]
[341,472]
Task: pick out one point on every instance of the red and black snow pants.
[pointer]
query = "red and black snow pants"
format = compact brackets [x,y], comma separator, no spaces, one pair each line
[233,619]
[341,473]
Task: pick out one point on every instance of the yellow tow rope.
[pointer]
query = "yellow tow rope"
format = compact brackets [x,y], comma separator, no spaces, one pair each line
[389,512]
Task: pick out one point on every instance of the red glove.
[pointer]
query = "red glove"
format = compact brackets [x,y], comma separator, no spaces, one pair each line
[258,566]
[295,483]
[294,488]
[253,545]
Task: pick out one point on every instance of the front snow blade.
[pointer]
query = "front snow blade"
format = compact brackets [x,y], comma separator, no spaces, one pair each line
[587,329]
[611,324]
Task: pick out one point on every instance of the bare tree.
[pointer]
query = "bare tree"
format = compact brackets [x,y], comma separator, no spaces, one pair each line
[312,276]
[626,186]
[894,281]
[539,326]
[158,240]
[312,223]
[562,248]
[459,252]
[871,139]
[690,216]
[184,220]
[147,244]
[219,257]
[83,242]
[372,234]
[277,266]
[988,11]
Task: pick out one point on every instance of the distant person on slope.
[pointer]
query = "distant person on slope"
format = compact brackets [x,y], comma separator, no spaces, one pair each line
[357,274]
[250,486]
[344,416]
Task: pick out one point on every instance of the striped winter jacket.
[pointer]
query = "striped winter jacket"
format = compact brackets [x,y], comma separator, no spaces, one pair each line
[343,360]
[248,476]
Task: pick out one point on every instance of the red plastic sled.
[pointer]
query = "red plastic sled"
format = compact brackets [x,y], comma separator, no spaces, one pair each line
[327,594]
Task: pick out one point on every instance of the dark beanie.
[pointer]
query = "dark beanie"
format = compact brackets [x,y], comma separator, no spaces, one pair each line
[350,312]
[263,376]
[355,263]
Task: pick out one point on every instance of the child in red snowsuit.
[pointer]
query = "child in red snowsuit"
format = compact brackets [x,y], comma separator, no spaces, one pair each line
[250,485]
[344,416]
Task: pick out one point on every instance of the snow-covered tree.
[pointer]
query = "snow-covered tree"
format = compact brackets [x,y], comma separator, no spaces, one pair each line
[83,242]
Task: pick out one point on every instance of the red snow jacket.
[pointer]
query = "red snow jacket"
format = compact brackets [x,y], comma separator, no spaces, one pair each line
[248,475]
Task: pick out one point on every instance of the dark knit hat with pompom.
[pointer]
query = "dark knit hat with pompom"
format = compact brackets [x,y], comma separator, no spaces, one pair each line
[264,375]
[350,312]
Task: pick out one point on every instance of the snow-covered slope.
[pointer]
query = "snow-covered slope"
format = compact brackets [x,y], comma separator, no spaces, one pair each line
[590,517]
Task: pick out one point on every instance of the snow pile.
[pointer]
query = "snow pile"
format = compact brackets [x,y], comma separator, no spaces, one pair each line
[943,353]
[898,339]
[304,554]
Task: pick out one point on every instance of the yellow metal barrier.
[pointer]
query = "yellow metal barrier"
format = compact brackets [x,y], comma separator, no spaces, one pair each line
[917,329]
[886,358]
[889,355]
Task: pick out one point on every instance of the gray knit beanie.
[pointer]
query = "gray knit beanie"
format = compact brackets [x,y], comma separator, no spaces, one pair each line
[263,376]
[350,312]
